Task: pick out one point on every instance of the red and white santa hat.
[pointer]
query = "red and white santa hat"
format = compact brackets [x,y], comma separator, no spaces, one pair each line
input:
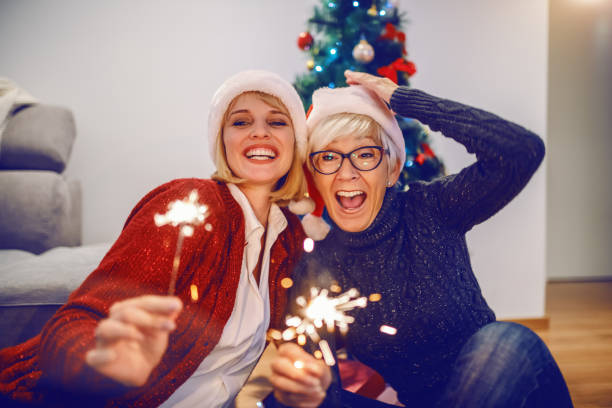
[359,100]
[352,99]
[262,81]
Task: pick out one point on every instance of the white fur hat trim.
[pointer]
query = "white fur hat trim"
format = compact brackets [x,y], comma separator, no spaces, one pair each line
[300,207]
[263,81]
[315,227]
[356,99]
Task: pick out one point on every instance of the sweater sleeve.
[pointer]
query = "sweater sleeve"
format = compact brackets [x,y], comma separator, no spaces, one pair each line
[507,156]
[138,263]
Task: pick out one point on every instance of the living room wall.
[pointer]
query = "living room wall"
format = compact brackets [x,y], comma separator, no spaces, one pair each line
[139,75]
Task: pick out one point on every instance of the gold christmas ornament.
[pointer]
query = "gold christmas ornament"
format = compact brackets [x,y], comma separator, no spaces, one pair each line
[310,65]
[363,52]
[372,11]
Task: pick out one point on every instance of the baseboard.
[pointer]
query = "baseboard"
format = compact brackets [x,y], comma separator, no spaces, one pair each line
[579,279]
[536,323]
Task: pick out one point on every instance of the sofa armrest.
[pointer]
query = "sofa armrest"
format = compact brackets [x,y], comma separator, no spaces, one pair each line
[39,210]
[33,287]
[39,137]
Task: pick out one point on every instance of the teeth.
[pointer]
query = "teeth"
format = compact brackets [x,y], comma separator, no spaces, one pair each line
[349,193]
[260,151]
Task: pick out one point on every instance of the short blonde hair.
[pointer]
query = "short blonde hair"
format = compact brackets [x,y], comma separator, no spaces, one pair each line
[340,125]
[292,186]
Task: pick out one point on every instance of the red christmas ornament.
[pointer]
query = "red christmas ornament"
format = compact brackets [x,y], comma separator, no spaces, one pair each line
[304,41]
[420,159]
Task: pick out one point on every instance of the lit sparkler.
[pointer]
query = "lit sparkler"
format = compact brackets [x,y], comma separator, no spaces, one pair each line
[185,214]
[318,311]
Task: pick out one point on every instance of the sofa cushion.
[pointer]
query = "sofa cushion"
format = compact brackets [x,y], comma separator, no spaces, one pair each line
[39,137]
[47,278]
[39,210]
[33,287]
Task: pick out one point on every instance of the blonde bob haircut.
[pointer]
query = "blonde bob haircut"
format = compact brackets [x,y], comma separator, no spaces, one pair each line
[292,186]
[340,125]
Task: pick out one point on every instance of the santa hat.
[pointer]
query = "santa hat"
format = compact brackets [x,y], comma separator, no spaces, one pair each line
[261,81]
[352,99]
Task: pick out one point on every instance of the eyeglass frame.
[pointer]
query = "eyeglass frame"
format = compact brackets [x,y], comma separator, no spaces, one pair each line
[347,156]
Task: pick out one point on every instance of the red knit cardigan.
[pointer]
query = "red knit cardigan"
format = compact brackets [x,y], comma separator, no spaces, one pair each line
[51,366]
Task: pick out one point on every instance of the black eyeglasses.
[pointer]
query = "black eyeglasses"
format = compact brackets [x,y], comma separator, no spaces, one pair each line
[364,158]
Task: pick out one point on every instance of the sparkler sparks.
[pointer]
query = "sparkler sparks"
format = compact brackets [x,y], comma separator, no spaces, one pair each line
[391,331]
[185,214]
[194,293]
[321,310]
[308,245]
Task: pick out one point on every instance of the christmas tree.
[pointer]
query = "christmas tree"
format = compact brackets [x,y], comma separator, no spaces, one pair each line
[365,35]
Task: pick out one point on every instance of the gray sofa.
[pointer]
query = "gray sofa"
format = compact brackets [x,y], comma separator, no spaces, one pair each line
[33,287]
[41,260]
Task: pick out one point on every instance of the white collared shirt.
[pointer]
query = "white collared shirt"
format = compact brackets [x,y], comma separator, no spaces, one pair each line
[224,371]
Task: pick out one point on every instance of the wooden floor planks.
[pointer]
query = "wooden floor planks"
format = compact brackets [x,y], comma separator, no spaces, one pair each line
[580,338]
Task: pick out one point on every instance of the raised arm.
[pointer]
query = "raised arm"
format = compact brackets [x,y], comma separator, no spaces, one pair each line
[507,154]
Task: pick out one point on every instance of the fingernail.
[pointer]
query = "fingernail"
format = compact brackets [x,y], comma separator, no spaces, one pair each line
[168,325]
[98,357]
[174,305]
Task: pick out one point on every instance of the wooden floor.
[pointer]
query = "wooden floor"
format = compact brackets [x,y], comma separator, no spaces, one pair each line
[580,338]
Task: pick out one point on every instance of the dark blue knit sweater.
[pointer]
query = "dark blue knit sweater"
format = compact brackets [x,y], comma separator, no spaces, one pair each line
[415,255]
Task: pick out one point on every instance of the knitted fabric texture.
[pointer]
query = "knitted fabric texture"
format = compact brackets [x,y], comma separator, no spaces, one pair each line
[51,369]
[415,254]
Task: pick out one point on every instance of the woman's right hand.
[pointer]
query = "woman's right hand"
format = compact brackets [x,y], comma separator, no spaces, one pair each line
[134,337]
[299,385]
[383,87]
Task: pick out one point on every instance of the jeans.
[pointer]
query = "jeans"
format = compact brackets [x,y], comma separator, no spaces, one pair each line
[502,365]
[505,365]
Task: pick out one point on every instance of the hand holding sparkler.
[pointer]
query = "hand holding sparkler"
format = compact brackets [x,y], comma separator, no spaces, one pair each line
[299,379]
[132,340]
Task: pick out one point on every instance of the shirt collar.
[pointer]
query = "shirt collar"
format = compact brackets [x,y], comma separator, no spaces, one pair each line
[276,219]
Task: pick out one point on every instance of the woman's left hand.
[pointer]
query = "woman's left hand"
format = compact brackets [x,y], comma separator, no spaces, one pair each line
[383,87]
[299,379]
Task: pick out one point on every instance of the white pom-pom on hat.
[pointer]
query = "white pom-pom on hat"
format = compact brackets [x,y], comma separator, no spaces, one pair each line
[315,227]
[304,206]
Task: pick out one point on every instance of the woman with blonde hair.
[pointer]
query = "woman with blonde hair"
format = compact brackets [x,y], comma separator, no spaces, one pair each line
[120,340]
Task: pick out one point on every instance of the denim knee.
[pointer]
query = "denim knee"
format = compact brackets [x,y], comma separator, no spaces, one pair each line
[506,347]
[509,335]
[502,365]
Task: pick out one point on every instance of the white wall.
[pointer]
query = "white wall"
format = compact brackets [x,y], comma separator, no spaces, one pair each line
[139,75]
[580,140]
[492,55]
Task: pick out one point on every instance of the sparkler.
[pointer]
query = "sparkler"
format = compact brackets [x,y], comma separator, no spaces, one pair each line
[185,214]
[318,311]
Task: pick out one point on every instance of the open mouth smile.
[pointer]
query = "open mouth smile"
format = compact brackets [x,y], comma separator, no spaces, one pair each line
[260,153]
[351,200]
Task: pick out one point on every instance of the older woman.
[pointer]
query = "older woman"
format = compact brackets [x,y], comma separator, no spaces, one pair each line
[120,340]
[449,350]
